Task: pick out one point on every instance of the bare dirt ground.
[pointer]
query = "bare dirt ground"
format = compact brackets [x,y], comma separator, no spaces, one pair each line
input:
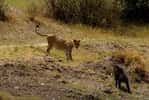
[41,76]
[49,79]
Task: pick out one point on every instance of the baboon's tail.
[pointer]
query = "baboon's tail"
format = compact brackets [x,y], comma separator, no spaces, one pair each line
[37,31]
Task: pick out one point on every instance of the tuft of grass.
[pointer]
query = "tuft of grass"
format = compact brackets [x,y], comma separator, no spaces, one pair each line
[8,96]
[135,63]
[82,86]
[130,56]
[20,51]
[28,98]
[79,55]
[29,51]
[24,5]
[17,3]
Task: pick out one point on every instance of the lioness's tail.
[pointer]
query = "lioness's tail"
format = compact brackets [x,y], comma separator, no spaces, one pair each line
[37,31]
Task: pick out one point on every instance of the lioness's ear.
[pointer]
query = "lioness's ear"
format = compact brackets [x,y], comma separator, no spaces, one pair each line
[37,25]
[74,40]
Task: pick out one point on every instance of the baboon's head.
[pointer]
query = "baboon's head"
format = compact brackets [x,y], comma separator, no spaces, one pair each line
[117,60]
[76,43]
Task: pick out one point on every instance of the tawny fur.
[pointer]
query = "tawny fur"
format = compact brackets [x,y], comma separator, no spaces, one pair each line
[59,43]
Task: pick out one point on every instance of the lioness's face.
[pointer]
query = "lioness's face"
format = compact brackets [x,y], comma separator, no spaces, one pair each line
[76,43]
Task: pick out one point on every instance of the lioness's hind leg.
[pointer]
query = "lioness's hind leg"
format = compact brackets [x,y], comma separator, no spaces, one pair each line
[49,48]
[70,54]
[67,55]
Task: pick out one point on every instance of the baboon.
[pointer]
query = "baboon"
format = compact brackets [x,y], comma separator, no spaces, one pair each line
[120,76]
[59,43]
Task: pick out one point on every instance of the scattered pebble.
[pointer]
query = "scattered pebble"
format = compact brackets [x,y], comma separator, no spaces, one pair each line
[108,90]
[16,87]
[42,84]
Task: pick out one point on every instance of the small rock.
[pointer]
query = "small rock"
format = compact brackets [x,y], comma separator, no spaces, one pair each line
[42,84]
[90,97]
[60,60]
[57,76]
[62,81]
[53,99]
[16,87]
[108,90]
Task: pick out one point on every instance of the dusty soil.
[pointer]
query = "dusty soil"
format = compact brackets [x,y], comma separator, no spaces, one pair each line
[49,79]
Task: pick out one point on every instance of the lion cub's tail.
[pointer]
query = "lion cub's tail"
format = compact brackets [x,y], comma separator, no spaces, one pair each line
[37,31]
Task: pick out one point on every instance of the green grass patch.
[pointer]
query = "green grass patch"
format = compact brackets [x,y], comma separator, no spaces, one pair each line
[82,86]
[20,52]
[18,3]
[79,55]
[24,4]
[8,96]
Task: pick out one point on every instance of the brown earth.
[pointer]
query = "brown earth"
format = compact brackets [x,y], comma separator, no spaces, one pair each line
[49,79]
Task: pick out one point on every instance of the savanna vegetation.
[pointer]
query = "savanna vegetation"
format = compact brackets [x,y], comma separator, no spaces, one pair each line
[108,29]
[3,16]
[99,12]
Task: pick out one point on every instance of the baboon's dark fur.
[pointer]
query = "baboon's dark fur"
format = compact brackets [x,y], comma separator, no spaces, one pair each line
[120,76]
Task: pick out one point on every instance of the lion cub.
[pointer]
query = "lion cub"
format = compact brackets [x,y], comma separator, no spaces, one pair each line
[59,43]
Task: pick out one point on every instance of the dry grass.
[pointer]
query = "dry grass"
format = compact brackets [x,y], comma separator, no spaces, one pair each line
[135,62]
[20,52]
[134,58]
[27,52]
[130,56]
[8,96]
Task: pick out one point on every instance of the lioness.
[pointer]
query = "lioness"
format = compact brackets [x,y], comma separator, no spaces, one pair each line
[59,43]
